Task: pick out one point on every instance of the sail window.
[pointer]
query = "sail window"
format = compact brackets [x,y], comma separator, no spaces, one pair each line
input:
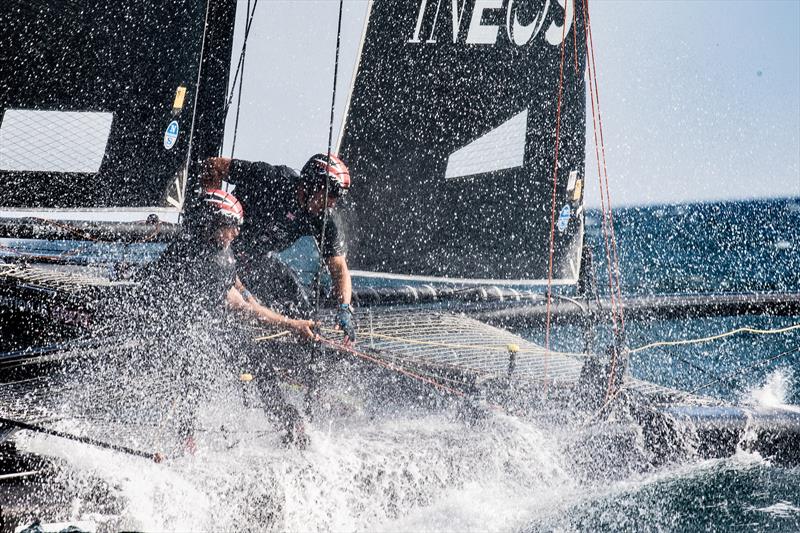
[53,141]
[501,148]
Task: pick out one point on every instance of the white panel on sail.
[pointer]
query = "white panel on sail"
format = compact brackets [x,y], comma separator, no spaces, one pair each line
[53,141]
[501,148]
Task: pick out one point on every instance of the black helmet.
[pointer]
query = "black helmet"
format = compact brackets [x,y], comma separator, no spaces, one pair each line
[321,168]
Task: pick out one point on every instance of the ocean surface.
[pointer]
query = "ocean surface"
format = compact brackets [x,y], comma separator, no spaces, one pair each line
[728,247]
[431,472]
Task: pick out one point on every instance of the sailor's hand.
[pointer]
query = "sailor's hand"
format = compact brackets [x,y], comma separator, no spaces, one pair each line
[346,323]
[303,329]
[214,171]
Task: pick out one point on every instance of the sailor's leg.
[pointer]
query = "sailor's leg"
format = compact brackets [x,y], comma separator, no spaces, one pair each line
[286,415]
[262,362]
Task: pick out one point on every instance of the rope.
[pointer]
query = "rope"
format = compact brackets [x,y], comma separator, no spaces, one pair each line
[730,333]
[553,204]
[241,55]
[67,227]
[318,288]
[400,370]
[599,145]
[240,67]
[274,336]
[609,236]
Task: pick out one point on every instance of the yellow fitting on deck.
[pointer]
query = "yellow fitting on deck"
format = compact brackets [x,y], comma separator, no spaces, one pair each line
[513,348]
[245,377]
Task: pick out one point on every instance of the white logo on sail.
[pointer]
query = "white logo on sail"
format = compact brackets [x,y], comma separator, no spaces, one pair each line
[479,33]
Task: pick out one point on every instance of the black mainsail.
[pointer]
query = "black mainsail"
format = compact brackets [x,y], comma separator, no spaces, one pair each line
[98,99]
[450,135]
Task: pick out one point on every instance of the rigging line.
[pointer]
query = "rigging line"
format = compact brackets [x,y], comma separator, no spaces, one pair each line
[746,329]
[318,286]
[242,61]
[83,440]
[553,204]
[575,40]
[67,227]
[273,336]
[718,377]
[749,367]
[13,250]
[613,270]
[241,55]
[393,367]
[612,293]
[605,167]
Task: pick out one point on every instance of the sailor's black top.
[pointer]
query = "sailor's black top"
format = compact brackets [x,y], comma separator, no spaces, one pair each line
[273,219]
[192,276]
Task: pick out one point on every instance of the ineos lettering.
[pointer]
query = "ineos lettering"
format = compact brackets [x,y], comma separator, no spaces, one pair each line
[520,34]
[478,33]
[457,13]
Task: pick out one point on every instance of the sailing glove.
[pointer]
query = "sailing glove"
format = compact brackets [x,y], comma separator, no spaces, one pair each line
[346,322]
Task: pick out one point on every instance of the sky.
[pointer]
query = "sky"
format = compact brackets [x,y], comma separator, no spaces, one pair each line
[699,99]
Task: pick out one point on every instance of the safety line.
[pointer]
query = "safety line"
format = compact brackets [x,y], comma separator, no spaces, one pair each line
[745,329]
[318,285]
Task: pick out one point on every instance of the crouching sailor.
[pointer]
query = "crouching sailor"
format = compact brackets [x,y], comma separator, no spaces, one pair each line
[283,206]
[205,267]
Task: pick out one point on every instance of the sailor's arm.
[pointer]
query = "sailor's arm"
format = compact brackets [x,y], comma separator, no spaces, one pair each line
[215,170]
[240,299]
[340,277]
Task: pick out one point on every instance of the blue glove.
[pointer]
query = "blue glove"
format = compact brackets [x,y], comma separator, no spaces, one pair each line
[346,322]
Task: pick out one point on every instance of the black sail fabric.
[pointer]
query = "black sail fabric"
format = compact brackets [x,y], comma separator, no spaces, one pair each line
[114,79]
[450,136]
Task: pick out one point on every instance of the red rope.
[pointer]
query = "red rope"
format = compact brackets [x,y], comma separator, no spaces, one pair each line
[615,291]
[400,370]
[553,204]
[603,208]
[605,173]
[424,379]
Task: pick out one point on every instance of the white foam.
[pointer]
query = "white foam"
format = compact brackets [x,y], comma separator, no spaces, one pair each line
[782,509]
[774,393]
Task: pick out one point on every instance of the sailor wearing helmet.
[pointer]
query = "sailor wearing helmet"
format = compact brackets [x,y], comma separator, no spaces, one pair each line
[282,207]
[196,277]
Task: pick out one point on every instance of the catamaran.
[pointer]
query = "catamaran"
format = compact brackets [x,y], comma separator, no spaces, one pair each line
[465,135]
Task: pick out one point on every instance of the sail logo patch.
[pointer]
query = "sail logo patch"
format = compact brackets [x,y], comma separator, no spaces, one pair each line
[563,218]
[171,135]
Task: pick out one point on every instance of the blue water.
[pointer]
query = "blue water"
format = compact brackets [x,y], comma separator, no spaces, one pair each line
[746,246]
[734,247]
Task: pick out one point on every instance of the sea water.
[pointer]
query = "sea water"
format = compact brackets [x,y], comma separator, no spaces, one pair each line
[431,472]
